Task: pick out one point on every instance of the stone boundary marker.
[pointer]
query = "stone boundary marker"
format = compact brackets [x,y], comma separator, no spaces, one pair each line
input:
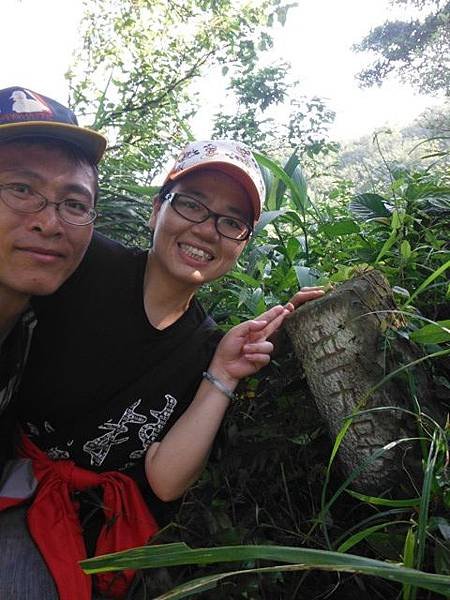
[339,339]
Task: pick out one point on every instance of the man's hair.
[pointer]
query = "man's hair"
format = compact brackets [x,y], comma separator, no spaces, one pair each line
[71,151]
[165,189]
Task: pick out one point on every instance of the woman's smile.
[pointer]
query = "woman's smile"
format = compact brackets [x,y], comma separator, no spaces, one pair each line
[195,252]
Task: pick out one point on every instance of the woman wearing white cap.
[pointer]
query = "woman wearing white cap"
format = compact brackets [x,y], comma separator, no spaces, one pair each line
[135,382]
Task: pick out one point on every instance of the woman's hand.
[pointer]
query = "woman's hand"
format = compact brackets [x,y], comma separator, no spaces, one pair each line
[245,349]
[304,295]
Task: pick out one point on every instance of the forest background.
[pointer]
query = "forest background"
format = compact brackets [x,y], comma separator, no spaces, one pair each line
[332,210]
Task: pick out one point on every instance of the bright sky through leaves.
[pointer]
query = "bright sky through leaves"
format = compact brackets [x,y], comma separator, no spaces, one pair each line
[37,44]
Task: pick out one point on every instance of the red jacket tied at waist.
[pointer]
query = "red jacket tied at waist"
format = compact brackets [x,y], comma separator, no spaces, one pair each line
[55,527]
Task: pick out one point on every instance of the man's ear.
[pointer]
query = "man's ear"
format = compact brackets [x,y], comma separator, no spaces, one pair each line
[156,206]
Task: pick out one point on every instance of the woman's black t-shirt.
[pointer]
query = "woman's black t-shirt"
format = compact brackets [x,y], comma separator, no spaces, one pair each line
[101,383]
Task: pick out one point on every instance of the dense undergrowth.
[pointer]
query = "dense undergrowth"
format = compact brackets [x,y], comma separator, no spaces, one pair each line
[270,480]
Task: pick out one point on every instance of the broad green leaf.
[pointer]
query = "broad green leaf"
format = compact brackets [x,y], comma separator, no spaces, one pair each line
[300,181]
[292,248]
[266,218]
[368,207]
[289,168]
[253,283]
[405,249]
[340,228]
[255,301]
[396,220]
[433,333]
[296,192]
[306,276]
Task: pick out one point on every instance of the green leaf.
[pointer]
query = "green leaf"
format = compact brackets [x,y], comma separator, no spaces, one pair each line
[395,221]
[437,273]
[362,535]
[369,207]
[387,245]
[300,181]
[408,561]
[340,228]
[292,248]
[422,525]
[253,283]
[267,217]
[289,168]
[405,249]
[404,503]
[297,193]
[400,291]
[306,276]
[433,333]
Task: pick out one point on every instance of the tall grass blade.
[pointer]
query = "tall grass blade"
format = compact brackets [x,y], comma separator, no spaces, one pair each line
[365,533]
[302,559]
[404,503]
[428,280]
[425,503]
[409,593]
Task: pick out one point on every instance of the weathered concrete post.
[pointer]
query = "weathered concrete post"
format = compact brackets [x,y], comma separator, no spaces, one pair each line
[339,341]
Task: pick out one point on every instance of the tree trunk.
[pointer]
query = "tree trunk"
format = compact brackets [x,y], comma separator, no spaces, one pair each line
[340,342]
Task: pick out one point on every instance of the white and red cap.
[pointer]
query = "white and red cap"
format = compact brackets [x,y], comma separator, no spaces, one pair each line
[233,158]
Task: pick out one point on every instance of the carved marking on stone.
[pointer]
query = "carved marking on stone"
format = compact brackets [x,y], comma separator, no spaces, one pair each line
[327,346]
[338,369]
[365,427]
[347,396]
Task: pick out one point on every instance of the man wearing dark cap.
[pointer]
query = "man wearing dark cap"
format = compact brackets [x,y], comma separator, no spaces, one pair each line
[48,188]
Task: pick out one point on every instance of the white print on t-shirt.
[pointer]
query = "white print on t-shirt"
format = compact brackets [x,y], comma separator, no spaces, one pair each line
[58,454]
[99,448]
[33,429]
[23,104]
[48,428]
[148,433]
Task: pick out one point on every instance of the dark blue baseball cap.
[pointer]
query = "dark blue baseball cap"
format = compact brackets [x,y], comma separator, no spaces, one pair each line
[24,113]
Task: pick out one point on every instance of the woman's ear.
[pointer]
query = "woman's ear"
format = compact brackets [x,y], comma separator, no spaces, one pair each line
[156,205]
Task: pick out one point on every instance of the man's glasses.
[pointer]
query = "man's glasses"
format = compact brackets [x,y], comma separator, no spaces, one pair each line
[195,211]
[21,198]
